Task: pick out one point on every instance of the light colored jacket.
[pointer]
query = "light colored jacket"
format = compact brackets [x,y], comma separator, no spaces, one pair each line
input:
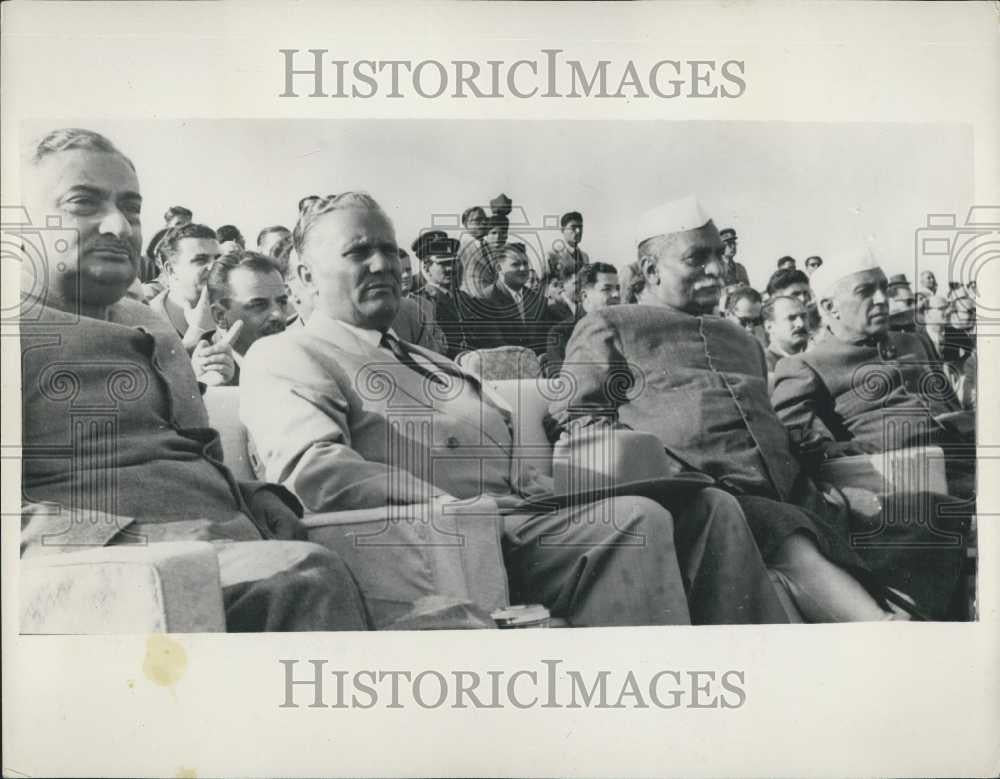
[343,425]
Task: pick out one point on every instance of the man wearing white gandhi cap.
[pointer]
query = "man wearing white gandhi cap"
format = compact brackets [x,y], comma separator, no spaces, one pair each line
[694,284]
[847,393]
[699,382]
[863,388]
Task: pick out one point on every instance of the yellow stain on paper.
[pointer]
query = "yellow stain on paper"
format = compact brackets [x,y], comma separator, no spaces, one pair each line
[165,661]
[186,773]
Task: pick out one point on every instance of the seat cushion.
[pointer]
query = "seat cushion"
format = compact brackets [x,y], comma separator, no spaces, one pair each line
[171,587]
[529,401]
[912,470]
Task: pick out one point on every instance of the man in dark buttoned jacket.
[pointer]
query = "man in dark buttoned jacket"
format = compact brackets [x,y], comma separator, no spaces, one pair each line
[518,315]
[866,387]
[700,383]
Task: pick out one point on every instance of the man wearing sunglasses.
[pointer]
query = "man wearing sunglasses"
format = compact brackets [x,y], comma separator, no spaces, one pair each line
[743,309]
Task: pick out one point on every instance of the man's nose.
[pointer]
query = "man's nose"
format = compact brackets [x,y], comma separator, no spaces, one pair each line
[879,298]
[383,262]
[115,223]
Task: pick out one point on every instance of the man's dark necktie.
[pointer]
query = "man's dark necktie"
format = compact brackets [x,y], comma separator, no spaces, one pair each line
[401,353]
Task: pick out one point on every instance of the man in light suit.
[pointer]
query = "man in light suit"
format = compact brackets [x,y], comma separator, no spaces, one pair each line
[346,415]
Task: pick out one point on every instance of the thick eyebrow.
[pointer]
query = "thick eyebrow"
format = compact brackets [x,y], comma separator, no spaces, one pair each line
[369,245]
[87,189]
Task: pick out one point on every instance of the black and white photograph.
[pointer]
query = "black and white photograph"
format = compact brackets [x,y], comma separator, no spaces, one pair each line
[539,397]
[629,410]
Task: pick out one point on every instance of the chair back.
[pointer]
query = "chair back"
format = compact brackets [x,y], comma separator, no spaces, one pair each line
[223,406]
[501,363]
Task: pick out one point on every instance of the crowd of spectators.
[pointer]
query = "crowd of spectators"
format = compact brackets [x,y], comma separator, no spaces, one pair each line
[753,386]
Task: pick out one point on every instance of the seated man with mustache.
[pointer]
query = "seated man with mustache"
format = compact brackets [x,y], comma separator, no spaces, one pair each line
[668,366]
[117,443]
[786,322]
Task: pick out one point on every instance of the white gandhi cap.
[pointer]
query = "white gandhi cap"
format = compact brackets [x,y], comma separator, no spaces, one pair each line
[675,216]
[839,266]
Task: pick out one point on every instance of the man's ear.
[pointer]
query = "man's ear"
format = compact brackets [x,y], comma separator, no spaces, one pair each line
[828,306]
[648,267]
[304,274]
[168,267]
[219,315]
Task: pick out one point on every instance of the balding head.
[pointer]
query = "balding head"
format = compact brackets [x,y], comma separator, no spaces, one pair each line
[348,253]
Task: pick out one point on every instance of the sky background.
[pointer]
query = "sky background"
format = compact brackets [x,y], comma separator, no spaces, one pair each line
[787,188]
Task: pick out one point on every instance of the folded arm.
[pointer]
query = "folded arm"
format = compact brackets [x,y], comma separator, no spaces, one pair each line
[806,408]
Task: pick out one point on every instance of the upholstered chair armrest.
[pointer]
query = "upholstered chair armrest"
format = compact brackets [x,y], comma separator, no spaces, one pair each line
[917,469]
[170,587]
[528,400]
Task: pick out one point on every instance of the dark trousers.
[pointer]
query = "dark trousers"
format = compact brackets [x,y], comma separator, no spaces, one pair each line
[287,586]
[630,561]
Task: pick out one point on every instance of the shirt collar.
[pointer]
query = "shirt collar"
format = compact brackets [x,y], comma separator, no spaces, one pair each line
[321,322]
[519,294]
[781,352]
